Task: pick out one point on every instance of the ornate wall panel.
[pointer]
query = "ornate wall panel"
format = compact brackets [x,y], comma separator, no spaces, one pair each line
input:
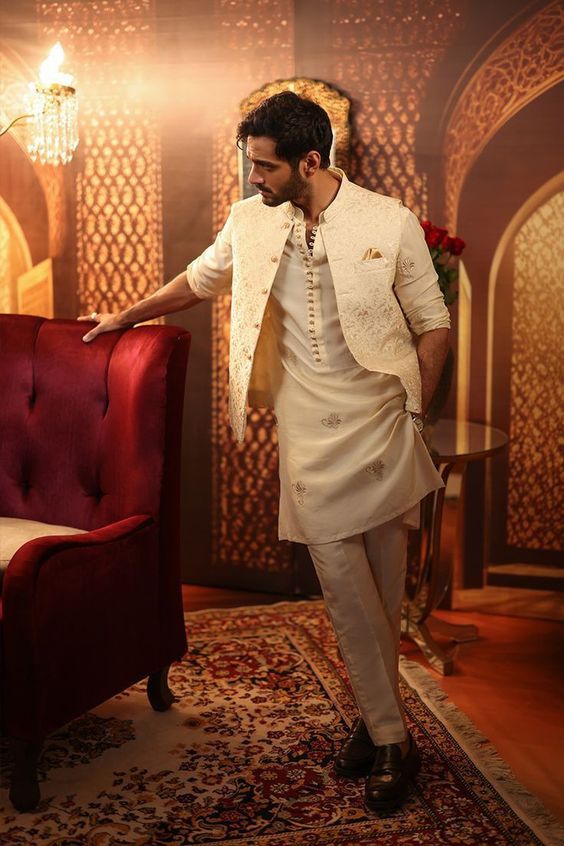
[380,62]
[119,229]
[258,36]
[535,519]
[385,54]
[528,62]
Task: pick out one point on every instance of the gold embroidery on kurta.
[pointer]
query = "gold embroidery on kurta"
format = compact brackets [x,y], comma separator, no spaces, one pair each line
[376,469]
[406,267]
[332,421]
[300,490]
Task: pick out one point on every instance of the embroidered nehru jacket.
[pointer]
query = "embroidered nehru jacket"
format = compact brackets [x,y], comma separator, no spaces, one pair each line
[384,298]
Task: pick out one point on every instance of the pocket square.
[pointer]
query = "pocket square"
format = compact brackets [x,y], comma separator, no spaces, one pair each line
[371,253]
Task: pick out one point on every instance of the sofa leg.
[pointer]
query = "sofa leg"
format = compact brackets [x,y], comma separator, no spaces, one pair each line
[24,788]
[159,693]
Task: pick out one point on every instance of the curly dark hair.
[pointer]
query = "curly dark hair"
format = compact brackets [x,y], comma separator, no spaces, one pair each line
[297,124]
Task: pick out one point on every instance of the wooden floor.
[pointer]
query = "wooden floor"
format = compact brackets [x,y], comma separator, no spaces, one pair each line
[509,682]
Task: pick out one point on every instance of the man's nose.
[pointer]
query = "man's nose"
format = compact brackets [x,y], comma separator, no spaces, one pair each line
[253,179]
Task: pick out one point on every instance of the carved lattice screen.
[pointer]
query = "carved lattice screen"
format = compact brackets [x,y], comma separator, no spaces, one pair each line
[119,239]
[535,519]
[386,52]
[244,477]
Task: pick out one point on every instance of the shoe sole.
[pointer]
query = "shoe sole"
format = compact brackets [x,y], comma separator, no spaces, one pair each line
[392,804]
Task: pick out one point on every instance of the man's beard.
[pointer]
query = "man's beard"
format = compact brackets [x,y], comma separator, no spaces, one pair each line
[293,189]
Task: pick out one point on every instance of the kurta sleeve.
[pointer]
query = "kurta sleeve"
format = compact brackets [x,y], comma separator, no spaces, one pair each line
[210,274]
[416,285]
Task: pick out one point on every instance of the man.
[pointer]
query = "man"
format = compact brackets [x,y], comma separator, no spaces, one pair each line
[338,321]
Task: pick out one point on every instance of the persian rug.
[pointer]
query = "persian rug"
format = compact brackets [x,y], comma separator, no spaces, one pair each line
[244,756]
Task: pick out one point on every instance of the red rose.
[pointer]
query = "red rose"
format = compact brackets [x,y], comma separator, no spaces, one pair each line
[435,235]
[456,246]
[437,238]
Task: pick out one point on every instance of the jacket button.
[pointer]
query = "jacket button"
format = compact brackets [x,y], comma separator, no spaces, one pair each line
[257,325]
[285,226]
[264,291]
[274,259]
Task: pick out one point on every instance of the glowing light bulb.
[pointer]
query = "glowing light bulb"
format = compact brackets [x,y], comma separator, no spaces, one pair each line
[49,72]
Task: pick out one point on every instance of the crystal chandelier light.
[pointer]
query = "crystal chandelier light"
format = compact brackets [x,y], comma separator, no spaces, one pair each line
[54,113]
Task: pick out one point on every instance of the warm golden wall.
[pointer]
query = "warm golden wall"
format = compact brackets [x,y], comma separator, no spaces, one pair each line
[446,100]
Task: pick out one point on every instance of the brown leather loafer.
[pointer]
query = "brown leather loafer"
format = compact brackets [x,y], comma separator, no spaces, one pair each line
[356,756]
[388,782]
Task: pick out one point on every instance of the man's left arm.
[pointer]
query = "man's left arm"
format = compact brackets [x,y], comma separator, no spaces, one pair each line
[423,304]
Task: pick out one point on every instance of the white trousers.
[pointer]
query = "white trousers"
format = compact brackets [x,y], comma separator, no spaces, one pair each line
[363,580]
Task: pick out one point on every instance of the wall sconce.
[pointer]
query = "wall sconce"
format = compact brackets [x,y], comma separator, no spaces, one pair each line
[54,113]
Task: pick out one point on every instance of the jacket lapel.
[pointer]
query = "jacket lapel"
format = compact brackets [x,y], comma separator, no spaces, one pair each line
[262,243]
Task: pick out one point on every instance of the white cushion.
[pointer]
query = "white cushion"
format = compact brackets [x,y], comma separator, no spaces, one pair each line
[15,532]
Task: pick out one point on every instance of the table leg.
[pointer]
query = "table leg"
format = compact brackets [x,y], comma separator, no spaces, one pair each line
[439,658]
[433,581]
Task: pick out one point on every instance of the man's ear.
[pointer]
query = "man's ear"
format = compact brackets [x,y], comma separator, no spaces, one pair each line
[311,163]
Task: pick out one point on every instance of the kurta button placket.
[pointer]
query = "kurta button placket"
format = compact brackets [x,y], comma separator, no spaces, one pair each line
[306,253]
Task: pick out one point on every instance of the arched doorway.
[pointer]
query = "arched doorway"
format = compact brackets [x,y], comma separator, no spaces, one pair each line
[526,300]
[15,258]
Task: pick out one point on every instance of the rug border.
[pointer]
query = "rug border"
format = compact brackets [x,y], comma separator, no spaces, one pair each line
[477,746]
[483,754]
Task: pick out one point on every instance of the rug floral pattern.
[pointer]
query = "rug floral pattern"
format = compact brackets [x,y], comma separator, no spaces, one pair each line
[244,757]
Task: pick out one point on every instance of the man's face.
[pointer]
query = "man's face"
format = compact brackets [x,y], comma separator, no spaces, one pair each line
[275,178]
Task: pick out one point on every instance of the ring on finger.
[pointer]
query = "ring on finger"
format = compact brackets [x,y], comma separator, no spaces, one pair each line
[93,315]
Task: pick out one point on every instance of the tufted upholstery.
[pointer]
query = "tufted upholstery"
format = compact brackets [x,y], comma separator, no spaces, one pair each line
[89,438]
[83,404]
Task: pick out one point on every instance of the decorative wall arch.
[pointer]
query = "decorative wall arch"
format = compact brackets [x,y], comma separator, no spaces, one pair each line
[526,64]
[553,186]
[525,385]
[335,104]
[15,256]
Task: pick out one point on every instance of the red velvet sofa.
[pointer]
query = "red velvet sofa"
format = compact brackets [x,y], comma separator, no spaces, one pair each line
[89,439]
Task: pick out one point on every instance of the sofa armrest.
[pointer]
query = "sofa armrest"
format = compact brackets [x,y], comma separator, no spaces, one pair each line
[80,623]
[32,557]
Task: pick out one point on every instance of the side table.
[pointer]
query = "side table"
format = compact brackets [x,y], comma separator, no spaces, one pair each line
[450,443]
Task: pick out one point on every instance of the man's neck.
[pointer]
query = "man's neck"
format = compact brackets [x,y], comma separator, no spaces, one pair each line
[323,191]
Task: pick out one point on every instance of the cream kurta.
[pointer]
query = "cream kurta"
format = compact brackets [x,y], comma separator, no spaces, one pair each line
[350,455]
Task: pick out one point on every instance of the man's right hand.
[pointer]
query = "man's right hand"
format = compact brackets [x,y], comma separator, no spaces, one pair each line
[105,323]
[175,296]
